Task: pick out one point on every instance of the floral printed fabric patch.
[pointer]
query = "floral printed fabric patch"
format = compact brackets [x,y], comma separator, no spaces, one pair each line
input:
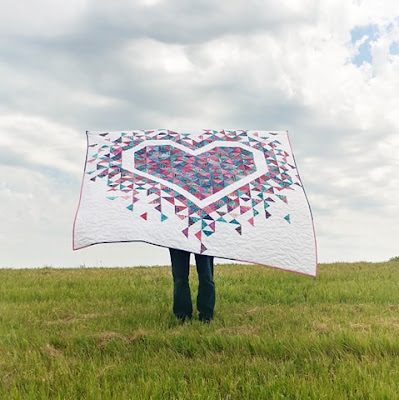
[233,194]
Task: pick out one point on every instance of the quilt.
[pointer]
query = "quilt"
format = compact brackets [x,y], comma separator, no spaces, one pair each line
[233,194]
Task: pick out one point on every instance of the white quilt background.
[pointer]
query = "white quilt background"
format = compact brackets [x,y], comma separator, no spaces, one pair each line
[231,194]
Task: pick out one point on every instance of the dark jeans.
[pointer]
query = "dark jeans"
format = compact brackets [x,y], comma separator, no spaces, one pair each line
[182,306]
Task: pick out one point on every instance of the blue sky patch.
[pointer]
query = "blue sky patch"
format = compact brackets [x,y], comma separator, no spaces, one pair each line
[364,50]
[394,48]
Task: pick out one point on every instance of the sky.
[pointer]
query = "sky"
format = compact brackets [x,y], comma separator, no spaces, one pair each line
[327,71]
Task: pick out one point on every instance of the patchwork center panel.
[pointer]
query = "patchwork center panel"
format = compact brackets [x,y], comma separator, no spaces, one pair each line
[202,174]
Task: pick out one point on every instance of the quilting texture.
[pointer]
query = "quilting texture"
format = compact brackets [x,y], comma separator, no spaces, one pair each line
[233,194]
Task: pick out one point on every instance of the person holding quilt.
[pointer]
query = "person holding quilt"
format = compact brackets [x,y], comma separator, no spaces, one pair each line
[182,305]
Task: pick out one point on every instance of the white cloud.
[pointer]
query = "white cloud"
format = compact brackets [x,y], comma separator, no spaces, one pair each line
[36,141]
[156,57]
[40,18]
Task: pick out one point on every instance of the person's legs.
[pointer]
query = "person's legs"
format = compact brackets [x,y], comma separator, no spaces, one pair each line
[206,288]
[182,306]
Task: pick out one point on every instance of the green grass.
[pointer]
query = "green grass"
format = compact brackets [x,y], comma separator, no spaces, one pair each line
[110,334]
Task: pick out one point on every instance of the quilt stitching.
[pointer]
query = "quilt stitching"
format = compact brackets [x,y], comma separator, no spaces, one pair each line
[181,169]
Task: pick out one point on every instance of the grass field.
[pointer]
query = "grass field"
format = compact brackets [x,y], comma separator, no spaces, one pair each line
[110,334]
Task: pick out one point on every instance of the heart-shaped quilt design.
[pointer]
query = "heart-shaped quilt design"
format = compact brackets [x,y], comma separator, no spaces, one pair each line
[224,177]
[200,173]
[234,194]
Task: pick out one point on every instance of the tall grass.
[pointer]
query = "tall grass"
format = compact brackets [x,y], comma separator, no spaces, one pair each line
[110,334]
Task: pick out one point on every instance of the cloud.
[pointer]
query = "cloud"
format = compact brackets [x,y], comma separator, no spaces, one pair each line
[179,22]
[32,142]
[41,18]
